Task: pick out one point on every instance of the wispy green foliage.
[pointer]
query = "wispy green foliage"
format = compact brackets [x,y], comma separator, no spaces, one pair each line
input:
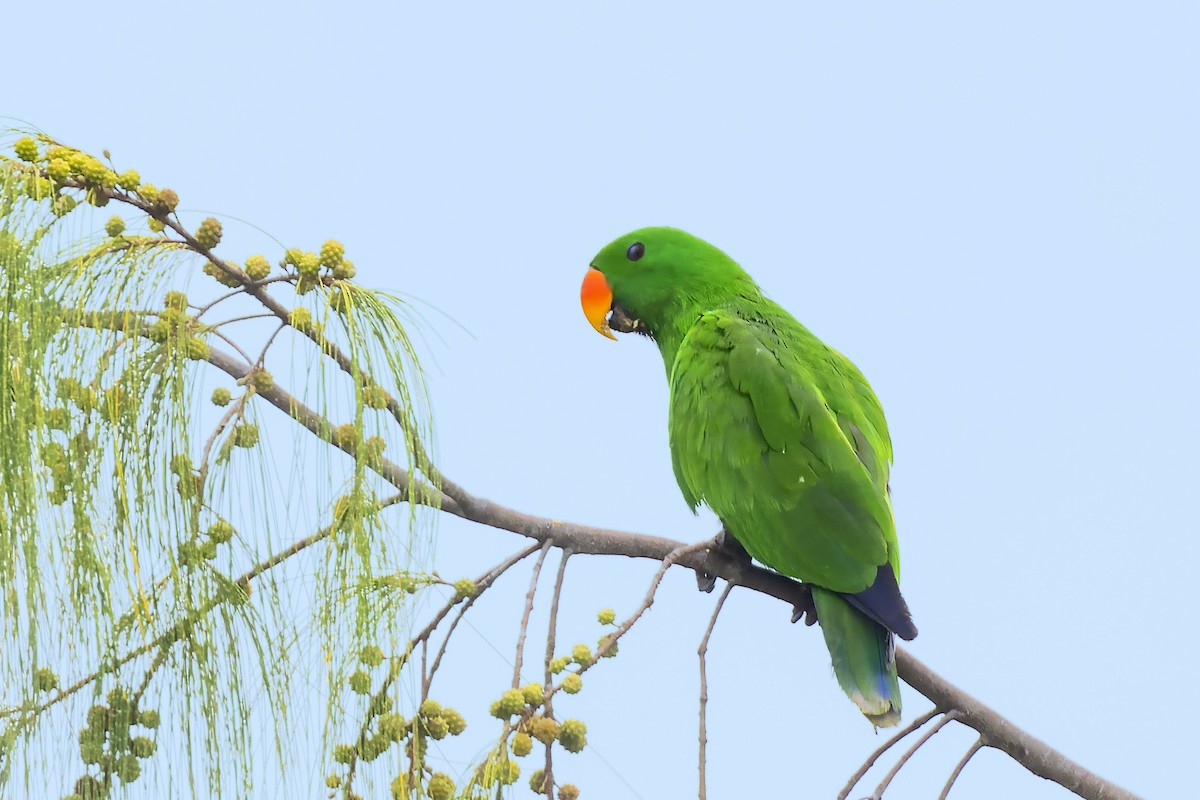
[139,522]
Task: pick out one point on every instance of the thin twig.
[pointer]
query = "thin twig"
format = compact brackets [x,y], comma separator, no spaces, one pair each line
[397,662]
[229,342]
[242,318]
[610,641]
[481,584]
[949,717]
[548,680]
[702,651]
[262,354]
[883,748]
[533,582]
[962,762]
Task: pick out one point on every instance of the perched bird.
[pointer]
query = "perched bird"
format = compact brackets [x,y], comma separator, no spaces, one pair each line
[779,434]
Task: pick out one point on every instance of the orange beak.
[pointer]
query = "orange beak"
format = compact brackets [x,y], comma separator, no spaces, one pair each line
[596,297]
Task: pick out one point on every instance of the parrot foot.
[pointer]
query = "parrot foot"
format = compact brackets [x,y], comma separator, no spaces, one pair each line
[730,548]
[805,609]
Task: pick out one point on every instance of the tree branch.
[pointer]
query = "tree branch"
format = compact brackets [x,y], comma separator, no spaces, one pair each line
[995,730]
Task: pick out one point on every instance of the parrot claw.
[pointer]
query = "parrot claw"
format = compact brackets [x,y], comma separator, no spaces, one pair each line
[805,610]
[726,545]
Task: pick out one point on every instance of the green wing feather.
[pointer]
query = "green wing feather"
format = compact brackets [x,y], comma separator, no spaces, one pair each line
[782,437]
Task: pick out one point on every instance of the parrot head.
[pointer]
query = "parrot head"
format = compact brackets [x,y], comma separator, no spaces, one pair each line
[651,277]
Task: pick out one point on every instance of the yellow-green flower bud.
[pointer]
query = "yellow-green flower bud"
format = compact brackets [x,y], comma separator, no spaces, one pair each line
[522,744]
[118,699]
[607,616]
[299,317]
[568,791]
[98,717]
[374,747]
[339,301]
[245,435]
[399,788]
[91,746]
[305,284]
[455,722]
[343,754]
[128,769]
[196,349]
[221,396]
[208,235]
[90,788]
[167,199]
[220,531]
[148,718]
[430,708]
[572,684]
[440,787]
[96,173]
[533,694]
[511,702]
[129,180]
[371,655]
[373,448]
[157,226]
[559,664]
[220,275]
[257,267]
[544,729]
[360,682]
[581,654]
[208,550]
[344,271]
[26,149]
[261,380]
[346,436]
[63,204]
[375,396]
[308,264]
[142,747]
[44,680]
[333,780]
[332,253]
[464,588]
[39,188]
[392,726]
[58,169]
[115,226]
[436,727]
[175,300]
[537,781]
[612,648]
[572,735]
[181,464]
[381,704]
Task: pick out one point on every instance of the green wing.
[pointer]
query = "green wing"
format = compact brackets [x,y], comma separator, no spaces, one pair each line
[782,437]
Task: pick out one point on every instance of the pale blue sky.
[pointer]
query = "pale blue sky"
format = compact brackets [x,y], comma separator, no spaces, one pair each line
[992,208]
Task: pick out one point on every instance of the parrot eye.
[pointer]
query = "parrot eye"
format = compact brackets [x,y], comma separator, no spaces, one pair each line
[635,251]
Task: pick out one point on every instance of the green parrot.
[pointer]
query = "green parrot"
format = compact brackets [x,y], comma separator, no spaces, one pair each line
[779,434]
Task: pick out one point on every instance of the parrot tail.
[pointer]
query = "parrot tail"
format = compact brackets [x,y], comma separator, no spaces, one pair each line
[864,657]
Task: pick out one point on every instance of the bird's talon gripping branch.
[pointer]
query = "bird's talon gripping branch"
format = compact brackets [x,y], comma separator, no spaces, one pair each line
[805,610]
